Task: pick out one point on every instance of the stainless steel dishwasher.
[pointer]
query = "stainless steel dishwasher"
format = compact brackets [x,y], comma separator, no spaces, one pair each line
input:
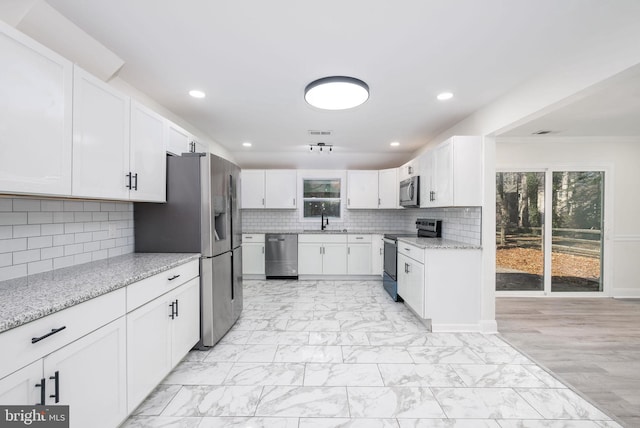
[281,255]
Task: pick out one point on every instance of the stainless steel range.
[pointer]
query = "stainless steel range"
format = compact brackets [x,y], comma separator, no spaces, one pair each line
[427,228]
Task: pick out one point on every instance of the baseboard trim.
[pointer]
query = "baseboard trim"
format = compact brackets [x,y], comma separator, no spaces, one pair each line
[625,293]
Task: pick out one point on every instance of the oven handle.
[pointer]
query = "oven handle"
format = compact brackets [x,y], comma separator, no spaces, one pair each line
[389,241]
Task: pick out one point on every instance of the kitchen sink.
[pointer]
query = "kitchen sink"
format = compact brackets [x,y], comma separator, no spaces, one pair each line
[324,231]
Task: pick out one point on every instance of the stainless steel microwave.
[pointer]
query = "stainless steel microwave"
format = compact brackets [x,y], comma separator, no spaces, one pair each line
[410,192]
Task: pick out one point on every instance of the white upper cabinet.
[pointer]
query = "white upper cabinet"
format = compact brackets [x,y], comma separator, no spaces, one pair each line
[147,154]
[100,139]
[177,139]
[35,111]
[252,188]
[409,169]
[280,188]
[388,188]
[362,189]
[453,175]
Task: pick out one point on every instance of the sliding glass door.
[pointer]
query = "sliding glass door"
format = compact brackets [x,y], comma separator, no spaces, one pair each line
[549,231]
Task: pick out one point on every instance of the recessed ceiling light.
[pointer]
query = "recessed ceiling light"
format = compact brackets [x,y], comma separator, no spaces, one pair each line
[445,96]
[336,93]
[197,94]
[394,144]
[246,144]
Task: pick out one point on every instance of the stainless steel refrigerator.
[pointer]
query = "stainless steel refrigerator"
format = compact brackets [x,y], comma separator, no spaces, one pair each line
[201,216]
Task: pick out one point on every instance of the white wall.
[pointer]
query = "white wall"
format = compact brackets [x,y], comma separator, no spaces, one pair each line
[621,156]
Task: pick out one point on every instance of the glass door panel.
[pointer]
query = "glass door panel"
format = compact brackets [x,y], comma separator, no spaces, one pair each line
[519,231]
[577,223]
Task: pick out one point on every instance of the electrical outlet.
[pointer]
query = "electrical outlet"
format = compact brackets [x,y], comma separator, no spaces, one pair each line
[112,230]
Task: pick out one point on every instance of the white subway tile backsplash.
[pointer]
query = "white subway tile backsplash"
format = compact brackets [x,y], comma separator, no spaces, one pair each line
[37,235]
[26,205]
[39,242]
[24,231]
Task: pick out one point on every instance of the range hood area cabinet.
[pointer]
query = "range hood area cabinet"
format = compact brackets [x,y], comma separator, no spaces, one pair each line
[91,140]
[271,188]
[451,174]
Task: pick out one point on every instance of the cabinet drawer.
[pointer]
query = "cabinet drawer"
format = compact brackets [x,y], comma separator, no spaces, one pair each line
[356,239]
[17,349]
[149,288]
[409,250]
[248,238]
[322,238]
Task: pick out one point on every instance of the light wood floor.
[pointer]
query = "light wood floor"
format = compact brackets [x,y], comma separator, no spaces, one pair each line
[592,344]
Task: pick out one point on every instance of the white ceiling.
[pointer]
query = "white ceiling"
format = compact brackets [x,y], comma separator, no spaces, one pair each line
[254,58]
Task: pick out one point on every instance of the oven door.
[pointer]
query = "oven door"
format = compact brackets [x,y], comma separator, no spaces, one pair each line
[390,258]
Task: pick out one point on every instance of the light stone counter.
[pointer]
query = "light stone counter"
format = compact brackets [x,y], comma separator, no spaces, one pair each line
[438,243]
[28,298]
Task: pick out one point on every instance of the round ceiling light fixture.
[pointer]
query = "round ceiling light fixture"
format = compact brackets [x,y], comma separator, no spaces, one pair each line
[247,144]
[336,93]
[445,96]
[394,143]
[197,94]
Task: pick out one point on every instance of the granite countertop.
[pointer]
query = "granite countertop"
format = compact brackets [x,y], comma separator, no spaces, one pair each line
[429,243]
[28,298]
[334,231]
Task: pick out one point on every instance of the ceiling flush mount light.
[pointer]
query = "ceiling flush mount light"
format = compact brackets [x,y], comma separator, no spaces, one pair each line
[321,147]
[394,144]
[247,144]
[336,93]
[445,96]
[197,94]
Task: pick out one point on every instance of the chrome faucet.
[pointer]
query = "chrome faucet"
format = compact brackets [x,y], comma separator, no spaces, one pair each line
[323,225]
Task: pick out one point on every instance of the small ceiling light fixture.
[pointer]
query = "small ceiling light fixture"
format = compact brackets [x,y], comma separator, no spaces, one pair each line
[336,93]
[247,144]
[445,96]
[320,147]
[394,144]
[197,94]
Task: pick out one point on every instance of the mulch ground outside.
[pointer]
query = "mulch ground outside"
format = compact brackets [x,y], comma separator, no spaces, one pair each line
[529,260]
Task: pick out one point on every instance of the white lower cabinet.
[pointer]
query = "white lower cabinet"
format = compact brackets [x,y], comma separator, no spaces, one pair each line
[377,255]
[359,254]
[411,283]
[322,254]
[88,375]
[253,254]
[171,323]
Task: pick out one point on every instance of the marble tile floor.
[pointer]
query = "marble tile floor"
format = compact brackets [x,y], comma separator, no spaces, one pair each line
[326,354]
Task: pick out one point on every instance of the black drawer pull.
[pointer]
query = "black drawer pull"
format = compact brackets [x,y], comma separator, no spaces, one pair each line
[42,385]
[174,277]
[173,310]
[52,332]
[56,377]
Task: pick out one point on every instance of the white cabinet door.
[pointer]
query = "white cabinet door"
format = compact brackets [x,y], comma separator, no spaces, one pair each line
[427,190]
[377,255]
[185,326]
[388,188]
[359,259]
[100,139]
[362,189]
[411,286]
[334,259]
[252,185]
[253,258]
[19,388]
[310,258]
[443,175]
[148,349]
[91,377]
[147,155]
[177,139]
[280,188]
[36,116]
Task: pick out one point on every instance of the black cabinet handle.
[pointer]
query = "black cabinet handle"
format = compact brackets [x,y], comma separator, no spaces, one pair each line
[42,385]
[176,308]
[56,378]
[135,181]
[174,277]
[128,186]
[173,313]
[52,332]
